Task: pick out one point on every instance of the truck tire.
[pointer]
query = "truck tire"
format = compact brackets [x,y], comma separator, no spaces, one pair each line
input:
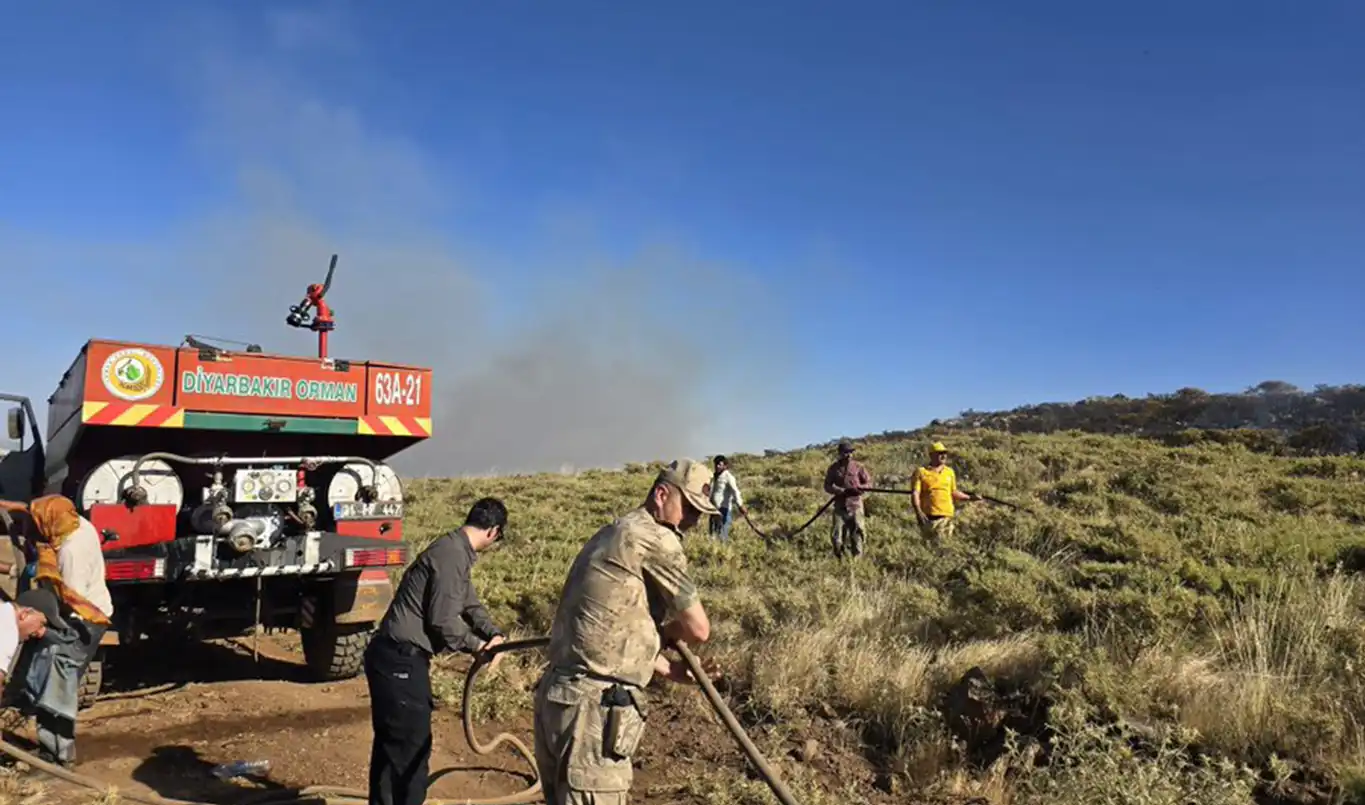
[91,682]
[335,651]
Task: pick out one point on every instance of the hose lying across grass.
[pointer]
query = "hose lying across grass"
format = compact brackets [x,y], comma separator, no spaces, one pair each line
[766,538]
[878,490]
[350,796]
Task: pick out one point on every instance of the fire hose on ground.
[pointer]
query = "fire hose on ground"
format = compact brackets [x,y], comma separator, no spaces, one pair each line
[877,490]
[335,795]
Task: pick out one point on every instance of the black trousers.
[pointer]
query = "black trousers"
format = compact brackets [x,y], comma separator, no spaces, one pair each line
[399,678]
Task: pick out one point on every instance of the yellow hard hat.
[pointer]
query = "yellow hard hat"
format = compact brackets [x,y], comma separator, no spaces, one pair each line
[938,447]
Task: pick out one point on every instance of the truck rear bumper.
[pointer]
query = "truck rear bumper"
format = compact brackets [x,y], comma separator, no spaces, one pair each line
[206,559]
[213,573]
[200,585]
[311,553]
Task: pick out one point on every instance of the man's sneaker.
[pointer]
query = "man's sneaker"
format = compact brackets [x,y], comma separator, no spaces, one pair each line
[48,757]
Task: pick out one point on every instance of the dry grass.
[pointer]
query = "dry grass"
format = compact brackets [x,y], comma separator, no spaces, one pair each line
[500,693]
[1097,766]
[729,787]
[1206,591]
[17,788]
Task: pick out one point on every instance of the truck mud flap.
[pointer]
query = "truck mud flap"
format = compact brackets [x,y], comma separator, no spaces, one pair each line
[359,598]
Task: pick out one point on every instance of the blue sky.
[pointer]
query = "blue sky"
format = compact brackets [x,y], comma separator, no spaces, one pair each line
[840,218]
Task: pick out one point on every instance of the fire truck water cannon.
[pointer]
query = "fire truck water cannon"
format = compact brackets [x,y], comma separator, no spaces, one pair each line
[322,322]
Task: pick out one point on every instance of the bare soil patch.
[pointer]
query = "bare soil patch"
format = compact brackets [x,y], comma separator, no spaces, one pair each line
[155,731]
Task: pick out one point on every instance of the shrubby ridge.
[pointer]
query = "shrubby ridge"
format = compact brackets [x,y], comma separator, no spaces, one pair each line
[1178,620]
[1272,416]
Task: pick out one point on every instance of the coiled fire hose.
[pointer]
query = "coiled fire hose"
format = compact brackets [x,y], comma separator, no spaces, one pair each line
[350,796]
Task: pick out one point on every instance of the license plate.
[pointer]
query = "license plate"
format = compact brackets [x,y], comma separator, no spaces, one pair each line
[378,510]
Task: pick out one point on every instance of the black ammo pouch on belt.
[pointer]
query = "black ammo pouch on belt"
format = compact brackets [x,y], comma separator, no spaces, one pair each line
[623,722]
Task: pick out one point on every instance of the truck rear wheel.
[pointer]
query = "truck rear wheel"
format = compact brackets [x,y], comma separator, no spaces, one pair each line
[335,651]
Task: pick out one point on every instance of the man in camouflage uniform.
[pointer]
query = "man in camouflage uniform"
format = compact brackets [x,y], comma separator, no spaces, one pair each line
[605,646]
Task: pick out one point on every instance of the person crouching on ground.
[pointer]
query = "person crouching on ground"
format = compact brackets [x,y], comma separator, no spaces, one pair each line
[725,497]
[626,596]
[434,610]
[933,493]
[69,564]
[22,620]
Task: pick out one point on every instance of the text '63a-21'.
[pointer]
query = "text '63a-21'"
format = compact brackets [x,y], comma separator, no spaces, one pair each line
[398,388]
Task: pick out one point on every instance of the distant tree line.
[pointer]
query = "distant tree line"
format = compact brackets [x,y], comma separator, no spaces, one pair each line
[1273,417]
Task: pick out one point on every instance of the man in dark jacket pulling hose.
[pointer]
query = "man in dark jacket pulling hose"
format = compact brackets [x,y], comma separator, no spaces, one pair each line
[434,610]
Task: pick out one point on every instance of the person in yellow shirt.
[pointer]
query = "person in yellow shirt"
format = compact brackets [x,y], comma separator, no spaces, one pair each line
[934,495]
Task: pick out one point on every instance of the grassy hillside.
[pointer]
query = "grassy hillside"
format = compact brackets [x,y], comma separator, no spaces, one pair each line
[1169,625]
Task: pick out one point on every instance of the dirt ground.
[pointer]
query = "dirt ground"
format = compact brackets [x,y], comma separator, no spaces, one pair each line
[162,723]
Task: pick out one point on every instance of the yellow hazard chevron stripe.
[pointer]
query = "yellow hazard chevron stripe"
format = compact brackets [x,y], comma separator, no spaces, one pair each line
[132,414]
[389,425]
[395,426]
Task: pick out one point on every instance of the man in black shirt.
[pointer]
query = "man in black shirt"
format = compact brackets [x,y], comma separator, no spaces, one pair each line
[434,610]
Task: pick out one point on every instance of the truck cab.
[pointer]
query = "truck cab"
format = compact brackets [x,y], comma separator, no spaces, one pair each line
[21,451]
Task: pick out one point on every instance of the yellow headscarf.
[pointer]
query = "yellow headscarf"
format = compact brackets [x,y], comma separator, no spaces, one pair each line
[55,518]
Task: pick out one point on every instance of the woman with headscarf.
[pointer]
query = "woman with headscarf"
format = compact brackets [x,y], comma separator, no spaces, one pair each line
[70,559]
[67,559]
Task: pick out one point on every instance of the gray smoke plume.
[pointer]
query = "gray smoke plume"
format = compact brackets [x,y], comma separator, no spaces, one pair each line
[605,361]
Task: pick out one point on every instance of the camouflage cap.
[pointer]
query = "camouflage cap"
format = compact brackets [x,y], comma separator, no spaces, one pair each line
[694,479]
[845,447]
